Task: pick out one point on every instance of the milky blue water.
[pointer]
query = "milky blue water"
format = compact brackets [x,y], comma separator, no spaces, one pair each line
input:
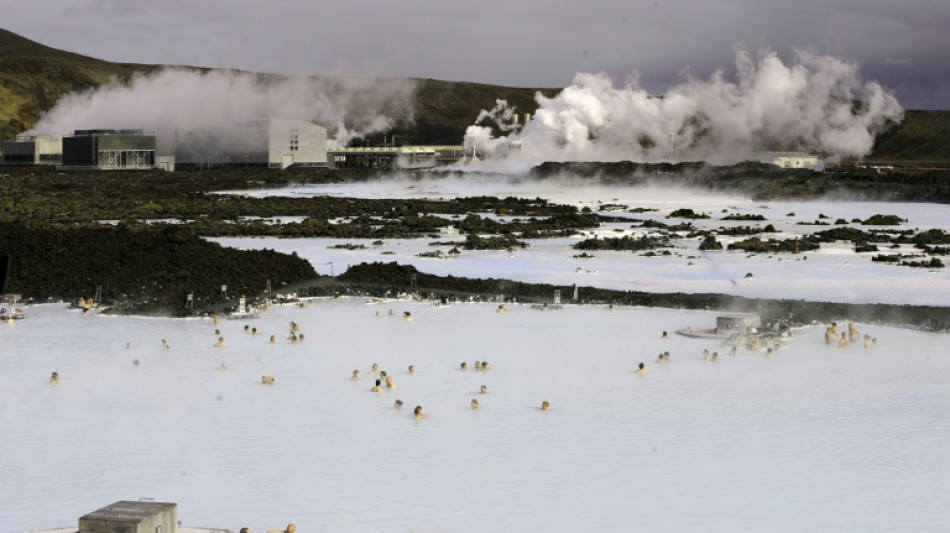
[813,438]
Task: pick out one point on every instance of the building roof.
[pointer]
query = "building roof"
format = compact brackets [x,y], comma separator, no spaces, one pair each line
[125,511]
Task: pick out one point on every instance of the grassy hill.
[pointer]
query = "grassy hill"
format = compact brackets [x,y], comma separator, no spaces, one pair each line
[33,77]
[923,137]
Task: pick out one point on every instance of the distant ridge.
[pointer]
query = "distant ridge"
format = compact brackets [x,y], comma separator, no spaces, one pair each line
[33,77]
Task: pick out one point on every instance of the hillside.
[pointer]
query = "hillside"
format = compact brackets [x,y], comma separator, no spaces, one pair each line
[33,77]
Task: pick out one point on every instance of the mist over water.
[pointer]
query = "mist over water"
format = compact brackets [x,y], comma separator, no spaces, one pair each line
[805,104]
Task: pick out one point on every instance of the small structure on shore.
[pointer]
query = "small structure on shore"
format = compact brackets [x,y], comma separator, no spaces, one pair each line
[132,517]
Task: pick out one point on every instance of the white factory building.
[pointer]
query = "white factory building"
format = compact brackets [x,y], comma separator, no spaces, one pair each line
[268,143]
[790,159]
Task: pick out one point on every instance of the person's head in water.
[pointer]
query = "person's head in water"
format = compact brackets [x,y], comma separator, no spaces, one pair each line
[642,366]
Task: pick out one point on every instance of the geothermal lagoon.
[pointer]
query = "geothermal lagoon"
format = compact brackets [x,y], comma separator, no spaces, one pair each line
[810,438]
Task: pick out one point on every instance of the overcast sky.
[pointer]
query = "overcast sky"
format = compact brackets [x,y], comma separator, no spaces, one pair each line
[903,44]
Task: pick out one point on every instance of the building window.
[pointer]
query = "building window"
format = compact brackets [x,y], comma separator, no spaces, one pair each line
[294,140]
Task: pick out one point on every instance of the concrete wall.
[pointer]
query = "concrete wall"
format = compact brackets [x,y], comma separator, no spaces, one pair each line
[132,517]
[303,142]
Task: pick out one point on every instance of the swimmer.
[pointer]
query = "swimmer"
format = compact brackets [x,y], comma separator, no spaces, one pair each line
[474,403]
[407,315]
[54,377]
[273,339]
[659,358]
[267,380]
[843,343]
[253,331]
[665,335]
[397,404]
[377,314]
[484,365]
[867,341]
[417,413]
[356,375]
[128,346]
[245,530]
[375,369]
[464,365]
[377,387]
[217,332]
[391,313]
[165,346]
[705,355]
[293,338]
[715,356]
[501,309]
[853,334]
[478,365]
[246,328]
[390,383]
[545,405]
[220,343]
[412,369]
[642,369]
[483,390]
[768,352]
[300,337]
[294,326]
[382,374]
[610,307]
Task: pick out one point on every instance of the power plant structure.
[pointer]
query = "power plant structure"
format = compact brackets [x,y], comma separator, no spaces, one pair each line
[390,157]
[33,150]
[109,149]
[267,143]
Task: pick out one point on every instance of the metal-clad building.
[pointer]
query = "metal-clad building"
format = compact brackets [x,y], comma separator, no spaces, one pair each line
[132,517]
[270,143]
[388,157]
[109,149]
[33,150]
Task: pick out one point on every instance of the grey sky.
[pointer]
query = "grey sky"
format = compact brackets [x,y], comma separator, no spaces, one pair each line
[905,45]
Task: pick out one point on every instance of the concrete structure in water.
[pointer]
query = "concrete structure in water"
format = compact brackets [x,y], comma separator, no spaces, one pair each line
[132,517]
[33,150]
[107,149]
[738,323]
[267,143]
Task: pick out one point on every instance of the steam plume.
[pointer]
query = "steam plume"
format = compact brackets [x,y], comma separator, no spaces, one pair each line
[179,99]
[806,105]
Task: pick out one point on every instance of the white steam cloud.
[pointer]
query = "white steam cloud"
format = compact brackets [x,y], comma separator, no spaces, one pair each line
[179,99]
[807,105]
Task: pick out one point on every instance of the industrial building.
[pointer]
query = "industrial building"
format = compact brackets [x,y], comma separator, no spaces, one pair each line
[132,517]
[388,157]
[267,143]
[790,159]
[109,149]
[33,150]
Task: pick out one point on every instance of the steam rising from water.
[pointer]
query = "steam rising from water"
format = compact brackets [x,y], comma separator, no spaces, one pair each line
[179,99]
[805,105]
